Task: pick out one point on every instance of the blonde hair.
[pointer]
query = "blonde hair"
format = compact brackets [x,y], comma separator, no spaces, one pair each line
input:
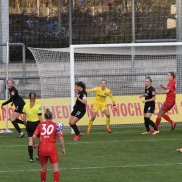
[10,79]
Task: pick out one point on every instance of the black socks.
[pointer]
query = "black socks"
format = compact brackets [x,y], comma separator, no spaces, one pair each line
[75,128]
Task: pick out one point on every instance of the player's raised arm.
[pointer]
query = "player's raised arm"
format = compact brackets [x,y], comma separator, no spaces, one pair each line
[91,90]
[163,87]
[83,98]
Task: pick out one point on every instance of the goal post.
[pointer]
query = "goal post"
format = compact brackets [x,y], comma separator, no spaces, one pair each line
[124,66]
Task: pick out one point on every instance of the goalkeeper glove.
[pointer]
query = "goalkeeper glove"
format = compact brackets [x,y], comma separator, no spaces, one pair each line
[114,107]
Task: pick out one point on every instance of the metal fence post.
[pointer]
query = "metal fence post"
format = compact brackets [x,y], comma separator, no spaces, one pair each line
[70,22]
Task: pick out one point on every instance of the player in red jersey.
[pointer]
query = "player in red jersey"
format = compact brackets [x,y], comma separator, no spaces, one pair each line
[48,131]
[170,92]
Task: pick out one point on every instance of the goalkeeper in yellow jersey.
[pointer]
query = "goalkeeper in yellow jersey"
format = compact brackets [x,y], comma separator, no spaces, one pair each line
[101,92]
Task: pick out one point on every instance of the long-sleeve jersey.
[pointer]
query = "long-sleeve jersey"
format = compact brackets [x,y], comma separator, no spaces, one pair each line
[14,97]
[100,95]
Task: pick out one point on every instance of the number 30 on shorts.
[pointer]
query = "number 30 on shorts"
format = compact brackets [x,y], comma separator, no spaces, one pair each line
[48,130]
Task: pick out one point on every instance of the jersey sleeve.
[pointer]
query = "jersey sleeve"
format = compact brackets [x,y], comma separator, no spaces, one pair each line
[92,90]
[12,96]
[39,110]
[24,109]
[84,96]
[111,96]
[37,131]
[58,131]
[153,92]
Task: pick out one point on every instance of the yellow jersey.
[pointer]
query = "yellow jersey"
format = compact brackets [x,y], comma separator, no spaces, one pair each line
[33,113]
[100,95]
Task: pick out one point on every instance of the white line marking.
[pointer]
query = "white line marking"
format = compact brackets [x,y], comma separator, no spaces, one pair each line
[96,167]
[111,141]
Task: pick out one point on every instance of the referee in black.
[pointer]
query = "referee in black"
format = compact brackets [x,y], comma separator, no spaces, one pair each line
[149,106]
[19,103]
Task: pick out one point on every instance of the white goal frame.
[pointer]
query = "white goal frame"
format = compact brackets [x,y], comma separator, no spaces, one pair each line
[73,47]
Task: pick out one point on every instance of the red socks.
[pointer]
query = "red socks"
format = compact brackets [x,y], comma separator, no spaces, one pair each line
[167,118]
[43,176]
[157,122]
[56,176]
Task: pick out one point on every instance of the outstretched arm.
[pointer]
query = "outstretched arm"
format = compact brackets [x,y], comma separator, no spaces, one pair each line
[163,87]
[8,101]
[91,90]
[164,92]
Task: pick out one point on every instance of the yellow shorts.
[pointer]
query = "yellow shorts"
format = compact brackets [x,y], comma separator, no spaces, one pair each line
[96,107]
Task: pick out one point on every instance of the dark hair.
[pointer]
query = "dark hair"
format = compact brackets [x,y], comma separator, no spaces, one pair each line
[32,93]
[148,78]
[81,84]
[48,114]
[173,74]
[103,80]
[32,97]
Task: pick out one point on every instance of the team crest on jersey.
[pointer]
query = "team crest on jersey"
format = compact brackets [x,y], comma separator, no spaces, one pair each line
[12,93]
[147,91]
[105,93]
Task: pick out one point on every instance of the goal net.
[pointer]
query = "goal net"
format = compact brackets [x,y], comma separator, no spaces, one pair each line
[123,66]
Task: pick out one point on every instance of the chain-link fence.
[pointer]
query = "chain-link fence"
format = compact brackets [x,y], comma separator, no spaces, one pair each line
[45,23]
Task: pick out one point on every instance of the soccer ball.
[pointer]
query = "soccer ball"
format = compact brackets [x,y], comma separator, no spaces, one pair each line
[61,125]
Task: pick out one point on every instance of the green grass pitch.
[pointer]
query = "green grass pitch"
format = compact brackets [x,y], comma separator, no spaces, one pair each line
[122,156]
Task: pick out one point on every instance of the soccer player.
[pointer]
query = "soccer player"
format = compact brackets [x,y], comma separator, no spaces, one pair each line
[170,92]
[79,108]
[19,103]
[48,131]
[32,117]
[101,92]
[149,106]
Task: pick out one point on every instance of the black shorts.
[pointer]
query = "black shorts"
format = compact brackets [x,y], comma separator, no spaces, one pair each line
[149,108]
[79,113]
[19,108]
[31,126]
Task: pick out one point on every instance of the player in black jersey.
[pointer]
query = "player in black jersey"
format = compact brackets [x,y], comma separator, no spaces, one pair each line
[149,106]
[79,108]
[17,100]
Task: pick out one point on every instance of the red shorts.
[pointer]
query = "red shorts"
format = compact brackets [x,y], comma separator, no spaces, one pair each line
[53,158]
[167,107]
